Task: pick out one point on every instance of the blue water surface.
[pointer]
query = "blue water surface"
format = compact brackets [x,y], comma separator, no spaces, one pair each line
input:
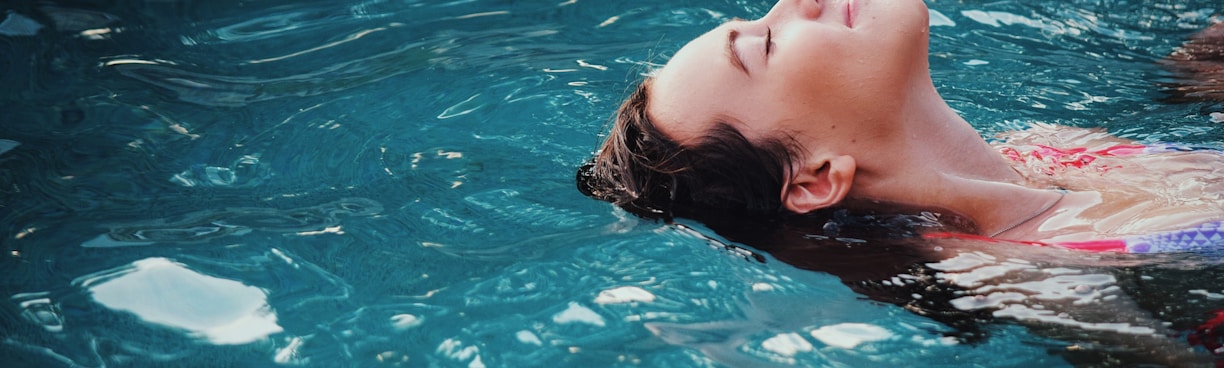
[390,183]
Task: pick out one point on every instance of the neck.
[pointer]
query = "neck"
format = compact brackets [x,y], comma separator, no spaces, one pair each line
[949,167]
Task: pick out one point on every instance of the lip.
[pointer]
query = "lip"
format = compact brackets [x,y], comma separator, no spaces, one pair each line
[850,10]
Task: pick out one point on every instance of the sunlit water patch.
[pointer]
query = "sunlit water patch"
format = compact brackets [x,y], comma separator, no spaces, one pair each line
[161,292]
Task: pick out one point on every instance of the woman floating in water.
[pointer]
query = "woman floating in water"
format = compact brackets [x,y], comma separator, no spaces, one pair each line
[830,104]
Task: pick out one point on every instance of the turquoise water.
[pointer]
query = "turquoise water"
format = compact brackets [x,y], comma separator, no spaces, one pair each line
[390,183]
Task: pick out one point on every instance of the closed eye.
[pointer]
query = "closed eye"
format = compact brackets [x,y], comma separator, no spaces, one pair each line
[733,52]
[768,41]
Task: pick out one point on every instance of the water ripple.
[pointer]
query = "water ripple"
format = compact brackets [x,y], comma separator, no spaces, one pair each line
[160,310]
[280,23]
[206,225]
[509,226]
[211,89]
[1088,304]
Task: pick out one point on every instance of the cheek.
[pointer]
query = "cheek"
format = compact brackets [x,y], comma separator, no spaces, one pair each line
[847,68]
[822,70]
[840,86]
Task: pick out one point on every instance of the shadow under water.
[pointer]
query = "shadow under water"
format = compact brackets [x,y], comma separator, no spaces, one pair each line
[1101,309]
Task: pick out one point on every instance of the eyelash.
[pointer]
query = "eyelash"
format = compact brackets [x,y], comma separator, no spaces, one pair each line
[768,41]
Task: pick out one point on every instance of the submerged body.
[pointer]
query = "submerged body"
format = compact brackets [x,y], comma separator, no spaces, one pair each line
[1118,195]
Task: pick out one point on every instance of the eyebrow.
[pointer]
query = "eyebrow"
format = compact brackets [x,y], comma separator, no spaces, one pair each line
[732,53]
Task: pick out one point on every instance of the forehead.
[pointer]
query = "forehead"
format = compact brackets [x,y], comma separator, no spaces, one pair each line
[690,93]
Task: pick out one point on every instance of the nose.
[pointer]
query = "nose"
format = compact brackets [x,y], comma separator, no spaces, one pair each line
[803,9]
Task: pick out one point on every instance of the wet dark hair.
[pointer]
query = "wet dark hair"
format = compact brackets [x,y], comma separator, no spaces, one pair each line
[733,186]
[643,171]
[1197,68]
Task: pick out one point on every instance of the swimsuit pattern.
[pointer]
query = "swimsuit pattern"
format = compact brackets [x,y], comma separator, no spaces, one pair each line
[1203,238]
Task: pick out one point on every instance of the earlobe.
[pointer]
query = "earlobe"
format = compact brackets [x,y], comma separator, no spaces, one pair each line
[821,184]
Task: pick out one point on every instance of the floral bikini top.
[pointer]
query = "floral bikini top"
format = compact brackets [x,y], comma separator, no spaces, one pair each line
[1203,238]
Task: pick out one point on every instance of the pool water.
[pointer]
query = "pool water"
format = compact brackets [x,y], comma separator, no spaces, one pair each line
[390,183]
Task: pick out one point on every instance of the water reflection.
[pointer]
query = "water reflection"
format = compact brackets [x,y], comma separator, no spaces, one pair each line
[37,308]
[211,224]
[15,24]
[506,220]
[213,89]
[163,292]
[1082,305]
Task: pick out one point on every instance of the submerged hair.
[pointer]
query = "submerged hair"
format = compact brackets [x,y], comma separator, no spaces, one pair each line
[1197,68]
[643,171]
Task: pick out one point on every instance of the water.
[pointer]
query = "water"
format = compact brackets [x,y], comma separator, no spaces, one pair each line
[389,183]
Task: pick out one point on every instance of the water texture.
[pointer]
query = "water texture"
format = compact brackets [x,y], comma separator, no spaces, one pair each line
[390,183]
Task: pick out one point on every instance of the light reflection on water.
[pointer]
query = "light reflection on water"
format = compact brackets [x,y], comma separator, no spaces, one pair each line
[1083,301]
[207,225]
[390,183]
[160,291]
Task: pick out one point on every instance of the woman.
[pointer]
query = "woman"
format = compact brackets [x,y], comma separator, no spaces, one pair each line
[829,103]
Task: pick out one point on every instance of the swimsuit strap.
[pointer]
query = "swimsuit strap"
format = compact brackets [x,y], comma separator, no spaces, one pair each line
[1062,193]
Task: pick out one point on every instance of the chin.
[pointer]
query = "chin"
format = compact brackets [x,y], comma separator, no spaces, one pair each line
[903,16]
[906,25]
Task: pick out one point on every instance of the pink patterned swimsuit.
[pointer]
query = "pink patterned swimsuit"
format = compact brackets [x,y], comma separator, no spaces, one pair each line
[1203,238]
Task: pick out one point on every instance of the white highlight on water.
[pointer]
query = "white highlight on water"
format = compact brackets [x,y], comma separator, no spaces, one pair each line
[787,344]
[850,335]
[937,19]
[576,313]
[163,292]
[624,294]
[405,321]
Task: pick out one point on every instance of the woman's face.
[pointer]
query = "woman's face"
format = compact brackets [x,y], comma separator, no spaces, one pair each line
[804,68]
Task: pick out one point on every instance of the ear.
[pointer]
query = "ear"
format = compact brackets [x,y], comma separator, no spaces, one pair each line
[819,184]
